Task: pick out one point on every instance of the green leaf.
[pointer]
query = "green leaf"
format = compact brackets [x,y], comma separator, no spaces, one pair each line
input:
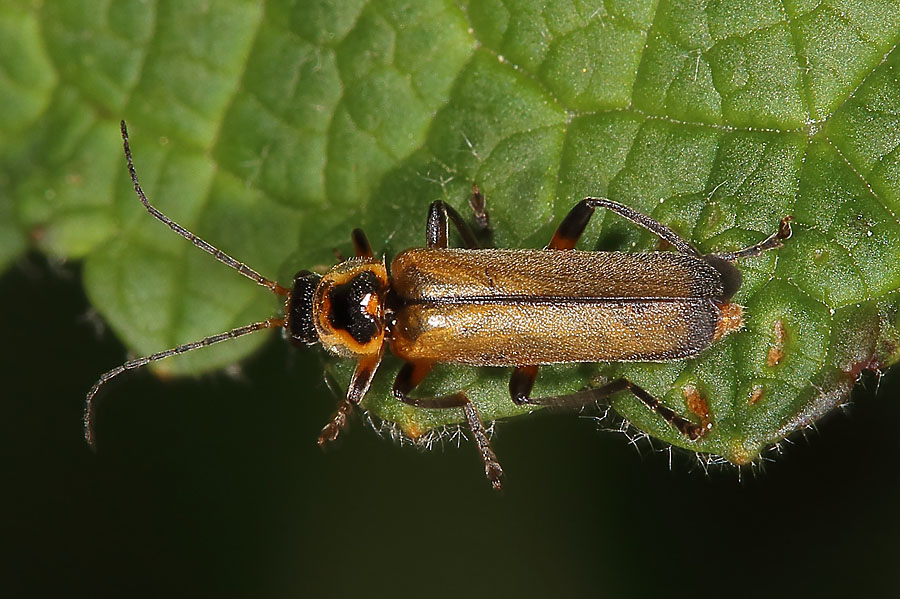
[273,129]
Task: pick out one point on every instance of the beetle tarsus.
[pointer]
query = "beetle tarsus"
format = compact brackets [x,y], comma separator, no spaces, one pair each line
[492,469]
[332,430]
[479,208]
[772,242]
[691,430]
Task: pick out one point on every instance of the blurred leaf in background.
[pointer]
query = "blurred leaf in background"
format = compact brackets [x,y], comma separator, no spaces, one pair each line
[272,130]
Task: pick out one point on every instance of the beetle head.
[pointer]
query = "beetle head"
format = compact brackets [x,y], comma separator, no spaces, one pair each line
[300,309]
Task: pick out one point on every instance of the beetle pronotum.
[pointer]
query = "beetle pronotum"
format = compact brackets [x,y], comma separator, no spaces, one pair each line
[496,307]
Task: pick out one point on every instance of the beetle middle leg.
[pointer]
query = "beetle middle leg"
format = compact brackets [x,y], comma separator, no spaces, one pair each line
[441,214]
[414,373]
[482,221]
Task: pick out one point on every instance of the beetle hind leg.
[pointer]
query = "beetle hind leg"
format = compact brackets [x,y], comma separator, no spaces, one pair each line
[409,378]
[523,378]
[522,381]
[771,242]
[572,226]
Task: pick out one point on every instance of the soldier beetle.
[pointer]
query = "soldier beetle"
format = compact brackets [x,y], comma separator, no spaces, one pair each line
[514,308]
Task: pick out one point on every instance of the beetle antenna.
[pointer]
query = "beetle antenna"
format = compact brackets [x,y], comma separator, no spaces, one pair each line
[200,243]
[90,405]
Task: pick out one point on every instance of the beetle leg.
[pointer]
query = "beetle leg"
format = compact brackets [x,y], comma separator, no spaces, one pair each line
[492,469]
[414,373]
[572,226]
[689,429]
[770,243]
[521,382]
[478,205]
[359,384]
[581,399]
[482,218]
[361,245]
[437,231]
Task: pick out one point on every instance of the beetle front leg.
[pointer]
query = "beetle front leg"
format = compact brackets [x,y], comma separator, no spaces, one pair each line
[414,373]
[356,391]
[361,246]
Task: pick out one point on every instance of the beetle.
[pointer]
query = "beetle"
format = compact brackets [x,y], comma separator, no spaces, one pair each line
[516,308]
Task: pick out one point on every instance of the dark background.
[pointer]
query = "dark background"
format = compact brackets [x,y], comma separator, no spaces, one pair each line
[215,487]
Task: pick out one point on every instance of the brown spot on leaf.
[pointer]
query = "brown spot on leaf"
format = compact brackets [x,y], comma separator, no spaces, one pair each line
[697,405]
[776,352]
[756,394]
[872,364]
